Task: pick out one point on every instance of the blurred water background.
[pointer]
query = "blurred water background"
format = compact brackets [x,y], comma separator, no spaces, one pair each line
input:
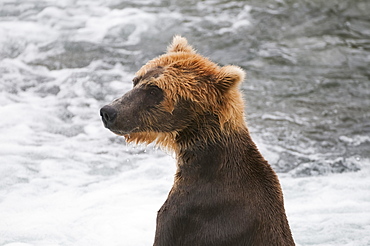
[307,93]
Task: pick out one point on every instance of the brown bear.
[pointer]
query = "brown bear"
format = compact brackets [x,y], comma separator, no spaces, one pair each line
[224,191]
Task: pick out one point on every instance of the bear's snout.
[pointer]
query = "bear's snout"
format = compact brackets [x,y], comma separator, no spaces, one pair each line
[108,115]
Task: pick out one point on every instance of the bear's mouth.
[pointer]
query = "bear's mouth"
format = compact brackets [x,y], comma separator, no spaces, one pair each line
[117,132]
[122,132]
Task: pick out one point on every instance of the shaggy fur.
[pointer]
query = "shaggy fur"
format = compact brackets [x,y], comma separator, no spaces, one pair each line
[187,75]
[224,192]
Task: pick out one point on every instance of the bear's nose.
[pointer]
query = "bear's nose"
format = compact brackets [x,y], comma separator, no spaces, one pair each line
[108,115]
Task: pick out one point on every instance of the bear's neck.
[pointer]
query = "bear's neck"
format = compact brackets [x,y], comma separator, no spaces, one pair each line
[212,153]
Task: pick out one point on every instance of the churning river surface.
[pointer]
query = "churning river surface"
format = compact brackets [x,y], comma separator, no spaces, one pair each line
[65,180]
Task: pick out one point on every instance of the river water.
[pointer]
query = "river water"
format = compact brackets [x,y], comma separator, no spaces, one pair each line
[63,176]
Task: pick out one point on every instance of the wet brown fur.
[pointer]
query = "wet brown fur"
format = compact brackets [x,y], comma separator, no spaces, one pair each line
[190,76]
[225,192]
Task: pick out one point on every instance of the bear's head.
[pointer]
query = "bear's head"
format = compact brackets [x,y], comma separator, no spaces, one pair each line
[180,96]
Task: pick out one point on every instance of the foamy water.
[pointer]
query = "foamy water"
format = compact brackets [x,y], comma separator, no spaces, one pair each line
[65,180]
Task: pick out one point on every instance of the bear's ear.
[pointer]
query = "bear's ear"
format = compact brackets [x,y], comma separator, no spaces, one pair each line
[230,76]
[180,44]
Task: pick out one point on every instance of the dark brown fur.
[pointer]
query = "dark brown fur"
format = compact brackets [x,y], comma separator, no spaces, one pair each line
[225,192]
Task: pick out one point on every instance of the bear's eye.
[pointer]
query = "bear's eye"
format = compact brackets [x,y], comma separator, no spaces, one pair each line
[136,80]
[154,90]
[154,96]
